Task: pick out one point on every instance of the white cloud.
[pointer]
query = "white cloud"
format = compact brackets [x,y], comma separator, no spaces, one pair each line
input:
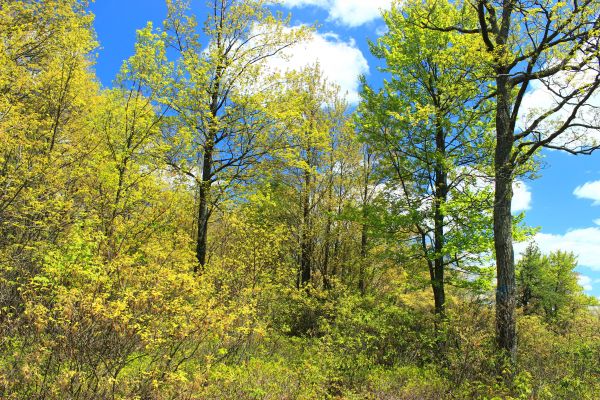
[303,3]
[590,191]
[347,12]
[584,243]
[546,95]
[585,282]
[597,221]
[521,197]
[341,62]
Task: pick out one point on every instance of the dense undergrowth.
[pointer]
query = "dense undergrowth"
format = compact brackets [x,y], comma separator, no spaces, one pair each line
[91,332]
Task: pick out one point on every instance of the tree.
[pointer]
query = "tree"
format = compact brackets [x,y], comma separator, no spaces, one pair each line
[546,45]
[529,272]
[369,188]
[317,125]
[127,160]
[431,127]
[47,92]
[219,95]
[548,285]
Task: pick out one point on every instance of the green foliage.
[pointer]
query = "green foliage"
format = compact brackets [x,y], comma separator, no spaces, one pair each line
[432,128]
[98,189]
[547,286]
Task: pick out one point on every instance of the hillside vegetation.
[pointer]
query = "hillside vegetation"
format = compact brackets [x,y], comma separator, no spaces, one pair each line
[212,228]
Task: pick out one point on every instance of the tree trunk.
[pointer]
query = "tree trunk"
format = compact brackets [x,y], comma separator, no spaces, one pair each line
[439,294]
[326,280]
[503,240]
[440,197]
[207,169]
[362,285]
[203,208]
[305,239]
[329,222]
[336,243]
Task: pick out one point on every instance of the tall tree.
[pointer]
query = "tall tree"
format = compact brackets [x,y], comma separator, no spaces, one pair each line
[368,191]
[219,95]
[545,45]
[317,125]
[547,285]
[431,126]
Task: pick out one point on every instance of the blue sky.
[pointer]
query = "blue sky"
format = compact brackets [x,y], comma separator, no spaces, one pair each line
[564,201]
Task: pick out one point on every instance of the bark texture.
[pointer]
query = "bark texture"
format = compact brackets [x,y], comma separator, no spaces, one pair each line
[503,240]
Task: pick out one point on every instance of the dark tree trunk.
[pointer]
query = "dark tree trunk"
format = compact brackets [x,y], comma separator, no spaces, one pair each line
[439,294]
[326,280]
[207,170]
[336,242]
[362,284]
[440,198]
[305,238]
[364,233]
[327,250]
[204,209]
[503,240]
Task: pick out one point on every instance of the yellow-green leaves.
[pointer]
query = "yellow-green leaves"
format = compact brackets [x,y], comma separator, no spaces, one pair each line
[432,127]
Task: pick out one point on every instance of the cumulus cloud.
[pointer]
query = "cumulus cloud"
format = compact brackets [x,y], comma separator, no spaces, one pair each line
[590,191]
[584,243]
[547,94]
[585,282]
[521,197]
[341,62]
[347,12]
[597,221]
